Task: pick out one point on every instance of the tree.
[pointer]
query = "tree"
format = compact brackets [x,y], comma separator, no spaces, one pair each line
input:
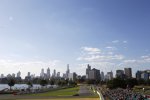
[116,82]
[72,83]
[11,82]
[43,82]
[131,82]
[29,84]
[52,82]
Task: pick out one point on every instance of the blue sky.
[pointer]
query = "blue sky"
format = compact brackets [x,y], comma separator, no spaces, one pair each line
[109,35]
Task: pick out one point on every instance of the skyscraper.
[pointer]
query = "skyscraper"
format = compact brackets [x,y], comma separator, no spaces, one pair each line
[128,72]
[58,74]
[54,73]
[109,75]
[28,74]
[68,71]
[19,74]
[102,76]
[48,73]
[94,74]
[120,73]
[87,71]
[42,72]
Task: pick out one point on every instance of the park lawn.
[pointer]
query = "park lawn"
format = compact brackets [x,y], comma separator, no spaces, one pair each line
[62,92]
[64,99]
[139,89]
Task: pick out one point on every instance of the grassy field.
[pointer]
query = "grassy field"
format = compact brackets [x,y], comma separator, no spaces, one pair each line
[62,92]
[139,89]
[64,99]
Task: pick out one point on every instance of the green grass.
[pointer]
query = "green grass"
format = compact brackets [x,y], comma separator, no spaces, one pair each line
[62,92]
[139,89]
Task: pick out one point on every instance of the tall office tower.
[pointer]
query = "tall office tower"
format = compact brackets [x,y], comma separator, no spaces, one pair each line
[19,74]
[138,75]
[72,76]
[2,75]
[48,73]
[42,72]
[28,74]
[110,75]
[54,73]
[87,71]
[94,74]
[13,75]
[102,76]
[68,71]
[58,74]
[128,72]
[120,74]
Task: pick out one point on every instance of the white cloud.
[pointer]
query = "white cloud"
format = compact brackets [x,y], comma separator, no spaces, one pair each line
[91,50]
[130,61]
[125,41]
[112,48]
[115,41]
[96,55]
[110,53]
[11,18]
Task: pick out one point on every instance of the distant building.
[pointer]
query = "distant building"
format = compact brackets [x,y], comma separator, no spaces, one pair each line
[64,76]
[19,74]
[42,73]
[2,75]
[13,75]
[28,74]
[94,74]
[48,73]
[109,76]
[87,71]
[102,76]
[54,73]
[143,75]
[9,76]
[138,75]
[67,72]
[128,72]
[58,74]
[120,74]
[72,76]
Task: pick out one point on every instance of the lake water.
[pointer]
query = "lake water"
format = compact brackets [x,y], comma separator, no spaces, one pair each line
[21,86]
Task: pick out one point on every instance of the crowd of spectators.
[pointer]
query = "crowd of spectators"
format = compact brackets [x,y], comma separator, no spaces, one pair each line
[124,94]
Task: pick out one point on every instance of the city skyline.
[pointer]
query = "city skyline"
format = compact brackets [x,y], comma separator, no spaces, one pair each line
[90,73]
[107,35]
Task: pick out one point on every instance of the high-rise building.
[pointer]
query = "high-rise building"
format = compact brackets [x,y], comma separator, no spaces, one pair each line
[109,76]
[138,75]
[2,75]
[145,76]
[94,74]
[19,74]
[9,76]
[58,74]
[87,71]
[28,74]
[120,74]
[13,75]
[68,71]
[102,76]
[128,72]
[54,73]
[48,73]
[42,72]
[72,76]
